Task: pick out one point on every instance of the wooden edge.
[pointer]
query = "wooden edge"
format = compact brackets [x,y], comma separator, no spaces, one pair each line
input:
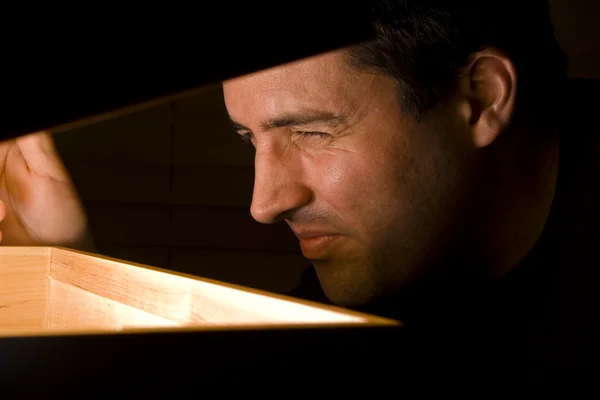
[25,250]
[191,329]
[368,318]
[19,252]
[48,302]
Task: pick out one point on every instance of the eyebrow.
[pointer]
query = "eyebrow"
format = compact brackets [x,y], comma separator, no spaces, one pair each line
[294,119]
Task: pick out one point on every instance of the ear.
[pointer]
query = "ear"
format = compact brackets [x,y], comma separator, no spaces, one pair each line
[490,86]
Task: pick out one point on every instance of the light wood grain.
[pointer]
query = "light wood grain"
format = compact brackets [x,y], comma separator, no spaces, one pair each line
[186,329]
[75,308]
[186,299]
[23,277]
[273,272]
[154,292]
[62,290]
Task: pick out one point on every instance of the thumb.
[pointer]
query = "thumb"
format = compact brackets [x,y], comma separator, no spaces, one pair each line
[40,156]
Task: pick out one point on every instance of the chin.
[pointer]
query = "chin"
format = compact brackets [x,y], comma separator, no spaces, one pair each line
[345,296]
[344,285]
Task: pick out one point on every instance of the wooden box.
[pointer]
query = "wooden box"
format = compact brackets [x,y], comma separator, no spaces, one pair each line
[78,320]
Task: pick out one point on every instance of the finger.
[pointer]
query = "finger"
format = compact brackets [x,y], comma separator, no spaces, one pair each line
[40,155]
[5,145]
[19,172]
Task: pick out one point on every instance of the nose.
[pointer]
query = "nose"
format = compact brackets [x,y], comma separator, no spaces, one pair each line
[278,185]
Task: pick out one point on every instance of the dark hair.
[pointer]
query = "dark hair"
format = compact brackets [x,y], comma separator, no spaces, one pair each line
[424,44]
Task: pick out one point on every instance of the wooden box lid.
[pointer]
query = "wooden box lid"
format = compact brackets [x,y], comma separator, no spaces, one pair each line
[46,290]
[73,318]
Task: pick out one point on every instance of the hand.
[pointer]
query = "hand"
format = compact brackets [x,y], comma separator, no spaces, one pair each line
[38,201]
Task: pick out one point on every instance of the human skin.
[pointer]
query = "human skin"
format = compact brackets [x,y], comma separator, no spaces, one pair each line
[378,199]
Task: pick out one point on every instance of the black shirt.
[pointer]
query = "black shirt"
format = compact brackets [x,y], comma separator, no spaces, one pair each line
[541,321]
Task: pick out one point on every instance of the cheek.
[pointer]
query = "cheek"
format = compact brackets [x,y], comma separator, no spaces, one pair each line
[376,189]
[334,177]
[357,187]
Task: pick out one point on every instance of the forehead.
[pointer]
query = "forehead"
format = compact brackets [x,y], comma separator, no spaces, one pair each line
[323,82]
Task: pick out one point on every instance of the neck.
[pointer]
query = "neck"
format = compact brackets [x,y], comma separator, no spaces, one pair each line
[521,171]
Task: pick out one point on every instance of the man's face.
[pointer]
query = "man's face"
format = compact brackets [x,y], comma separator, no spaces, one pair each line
[373,196]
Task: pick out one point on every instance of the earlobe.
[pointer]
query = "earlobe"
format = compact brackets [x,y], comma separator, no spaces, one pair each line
[491,90]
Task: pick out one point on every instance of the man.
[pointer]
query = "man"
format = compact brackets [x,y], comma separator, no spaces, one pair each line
[436,175]
[443,174]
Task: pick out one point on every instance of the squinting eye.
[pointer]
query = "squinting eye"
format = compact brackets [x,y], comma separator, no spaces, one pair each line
[316,135]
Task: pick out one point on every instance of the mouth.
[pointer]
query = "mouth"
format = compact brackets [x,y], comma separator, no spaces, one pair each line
[315,245]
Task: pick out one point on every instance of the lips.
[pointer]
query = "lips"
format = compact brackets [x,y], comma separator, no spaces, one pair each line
[317,244]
